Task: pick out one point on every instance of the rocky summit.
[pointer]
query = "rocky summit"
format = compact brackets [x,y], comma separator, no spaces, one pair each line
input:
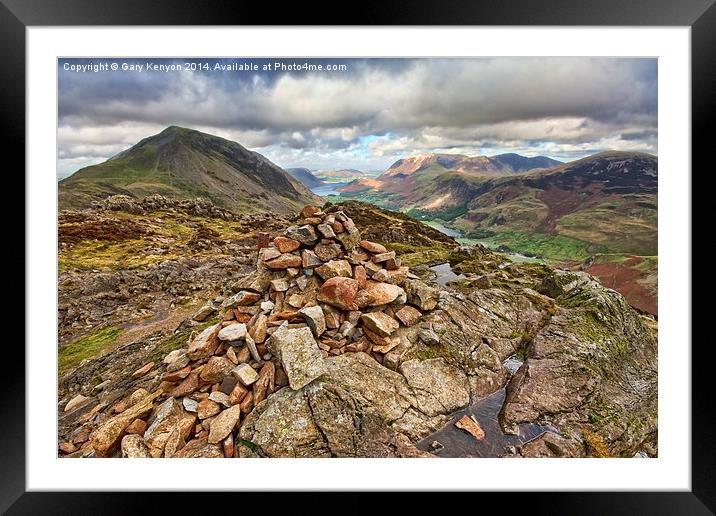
[280,327]
[332,347]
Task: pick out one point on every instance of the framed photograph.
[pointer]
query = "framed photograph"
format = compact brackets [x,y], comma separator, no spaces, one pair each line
[447,250]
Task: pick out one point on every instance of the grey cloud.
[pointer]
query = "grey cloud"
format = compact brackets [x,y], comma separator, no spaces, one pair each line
[557,104]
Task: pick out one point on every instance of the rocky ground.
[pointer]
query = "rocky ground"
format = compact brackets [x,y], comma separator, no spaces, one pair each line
[336,343]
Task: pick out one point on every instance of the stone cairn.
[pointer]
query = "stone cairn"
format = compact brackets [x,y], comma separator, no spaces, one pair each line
[318,290]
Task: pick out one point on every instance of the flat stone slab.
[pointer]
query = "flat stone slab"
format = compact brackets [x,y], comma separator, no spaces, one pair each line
[300,356]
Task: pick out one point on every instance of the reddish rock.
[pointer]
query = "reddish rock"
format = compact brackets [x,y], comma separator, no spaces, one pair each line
[393,263]
[165,386]
[228,446]
[362,344]
[359,275]
[243,355]
[262,239]
[389,344]
[286,245]
[258,328]
[67,448]
[177,375]
[376,294]
[223,424]
[284,261]
[204,344]
[471,426]
[216,369]
[242,298]
[408,315]
[207,409]
[143,370]
[310,211]
[340,292]
[231,355]
[373,247]
[189,385]
[376,338]
[384,257]
[381,275]
[265,384]
[200,448]
[332,316]
[335,268]
[247,404]
[238,393]
[138,426]
[242,318]
[106,438]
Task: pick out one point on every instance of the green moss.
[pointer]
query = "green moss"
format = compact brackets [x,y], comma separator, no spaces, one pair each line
[169,237]
[247,444]
[89,346]
[594,418]
[412,255]
[423,352]
[612,346]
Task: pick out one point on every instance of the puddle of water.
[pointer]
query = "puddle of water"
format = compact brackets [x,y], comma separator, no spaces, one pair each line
[445,274]
[458,443]
[513,363]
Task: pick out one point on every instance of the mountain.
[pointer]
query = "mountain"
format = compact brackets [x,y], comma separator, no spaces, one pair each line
[183,163]
[305,176]
[597,214]
[342,174]
[410,182]
[502,164]
[609,200]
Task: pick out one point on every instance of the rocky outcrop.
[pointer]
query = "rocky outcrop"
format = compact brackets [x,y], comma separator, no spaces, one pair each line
[365,364]
[591,370]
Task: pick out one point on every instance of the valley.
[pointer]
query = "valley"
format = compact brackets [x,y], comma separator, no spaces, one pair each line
[601,208]
[495,248]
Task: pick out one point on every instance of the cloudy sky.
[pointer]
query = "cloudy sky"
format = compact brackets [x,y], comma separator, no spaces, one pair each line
[366,114]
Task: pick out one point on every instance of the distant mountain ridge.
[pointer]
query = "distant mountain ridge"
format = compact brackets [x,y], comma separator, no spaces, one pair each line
[408,175]
[184,163]
[344,173]
[608,199]
[305,176]
[501,164]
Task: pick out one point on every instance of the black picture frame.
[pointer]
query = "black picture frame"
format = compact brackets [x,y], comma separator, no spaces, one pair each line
[17,15]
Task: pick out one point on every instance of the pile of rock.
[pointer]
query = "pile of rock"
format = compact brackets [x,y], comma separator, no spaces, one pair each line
[318,290]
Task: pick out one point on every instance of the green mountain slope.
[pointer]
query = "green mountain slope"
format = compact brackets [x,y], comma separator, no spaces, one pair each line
[305,176]
[184,163]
